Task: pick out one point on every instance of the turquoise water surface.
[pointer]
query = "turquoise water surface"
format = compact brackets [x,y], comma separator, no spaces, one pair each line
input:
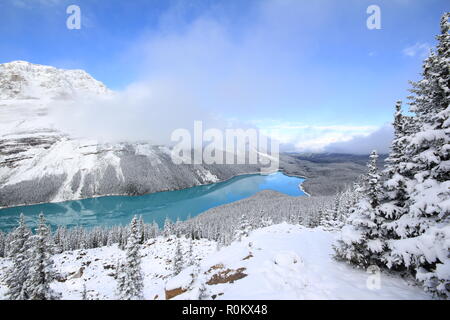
[119,210]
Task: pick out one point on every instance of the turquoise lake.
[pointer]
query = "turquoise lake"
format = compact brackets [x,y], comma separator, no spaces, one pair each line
[119,210]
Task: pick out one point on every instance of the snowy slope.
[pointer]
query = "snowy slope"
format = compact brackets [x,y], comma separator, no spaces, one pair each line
[40,163]
[24,80]
[277,262]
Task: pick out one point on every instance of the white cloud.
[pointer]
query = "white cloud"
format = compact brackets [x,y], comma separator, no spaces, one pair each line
[202,70]
[418,49]
[311,138]
[146,111]
[379,140]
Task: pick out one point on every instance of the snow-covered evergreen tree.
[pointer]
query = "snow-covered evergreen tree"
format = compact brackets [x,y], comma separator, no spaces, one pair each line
[2,244]
[330,217]
[410,228]
[17,274]
[266,221]
[130,278]
[41,273]
[397,174]
[142,232]
[178,261]
[203,293]
[190,254]
[361,241]
[84,293]
[348,201]
[169,227]
[423,230]
[244,228]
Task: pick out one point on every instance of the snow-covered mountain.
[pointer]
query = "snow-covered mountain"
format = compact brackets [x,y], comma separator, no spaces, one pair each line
[24,80]
[40,163]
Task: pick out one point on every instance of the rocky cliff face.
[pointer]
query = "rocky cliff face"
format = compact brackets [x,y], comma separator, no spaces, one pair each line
[39,163]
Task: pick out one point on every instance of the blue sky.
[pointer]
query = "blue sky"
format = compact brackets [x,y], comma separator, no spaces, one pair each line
[309,69]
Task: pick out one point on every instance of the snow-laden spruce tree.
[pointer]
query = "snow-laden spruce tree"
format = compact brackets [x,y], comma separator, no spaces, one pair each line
[243,229]
[398,176]
[40,273]
[178,261]
[2,244]
[330,218]
[84,293]
[348,201]
[130,278]
[142,230]
[168,228]
[203,293]
[361,242]
[190,254]
[17,274]
[424,230]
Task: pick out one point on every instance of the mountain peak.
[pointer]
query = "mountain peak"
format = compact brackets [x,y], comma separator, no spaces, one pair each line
[25,80]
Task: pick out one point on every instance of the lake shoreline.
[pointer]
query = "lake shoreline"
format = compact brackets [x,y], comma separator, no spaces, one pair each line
[175,204]
[168,190]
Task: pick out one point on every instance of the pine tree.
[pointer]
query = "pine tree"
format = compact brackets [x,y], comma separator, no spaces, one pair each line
[154,230]
[190,253]
[203,292]
[361,242]
[178,262]
[130,279]
[41,272]
[330,217]
[2,244]
[168,227]
[423,231]
[84,293]
[243,230]
[17,275]
[396,175]
[428,148]
[349,199]
[121,278]
[141,230]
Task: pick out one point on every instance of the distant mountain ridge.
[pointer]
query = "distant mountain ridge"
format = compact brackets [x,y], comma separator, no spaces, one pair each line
[339,158]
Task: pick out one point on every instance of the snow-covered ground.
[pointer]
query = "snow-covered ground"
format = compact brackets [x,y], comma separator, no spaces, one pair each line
[278,262]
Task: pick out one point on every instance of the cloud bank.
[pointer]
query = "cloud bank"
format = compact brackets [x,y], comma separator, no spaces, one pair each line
[203,68]
[379,140]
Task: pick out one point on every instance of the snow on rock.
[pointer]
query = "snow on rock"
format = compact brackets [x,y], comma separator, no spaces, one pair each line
[278,262]
[24,80]
[182,280]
